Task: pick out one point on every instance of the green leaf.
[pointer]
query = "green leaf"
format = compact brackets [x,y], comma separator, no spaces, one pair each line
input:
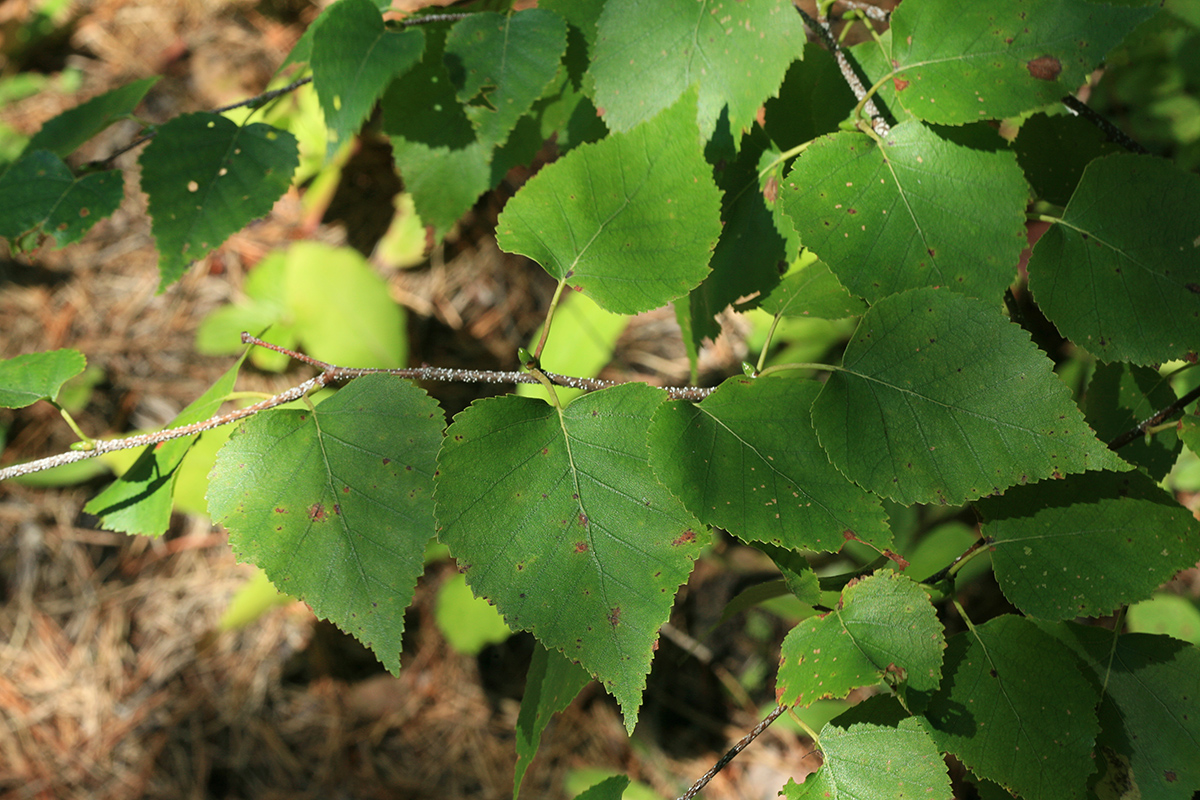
[1167,614]
[751,254]
[812,291]
[141,500]
[878,762]
[502,63]
[1120,274]
[354,58]
[340,308]
[1055,543]
[884,627]
[40,193]
[1054,151]
[206,178]
[746,459]
[468,623]
[1150,732]
[630,220]
[334,503]
[1119,396]
[917,210]
[254,598]
[798,575]
[63,134]
[550,686]
[957,63]
[812,101]
[37,376]
[611,788]
[941,399]
[1014,708]
[556,518]
[648,54]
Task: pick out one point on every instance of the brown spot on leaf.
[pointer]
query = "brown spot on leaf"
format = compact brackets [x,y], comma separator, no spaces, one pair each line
[771,189]
[1169,776]
[900,84]
[899,560]
[581,547]
[687,537]
[1044,68]
[1194,288]
[614,616]
[316,512]
[583,520]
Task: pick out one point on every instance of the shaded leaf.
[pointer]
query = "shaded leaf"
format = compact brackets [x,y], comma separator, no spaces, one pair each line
[63,134]
[958,63]
[630,220]
[941,399]
[556,518]
[1056,543]
[1119,396]
[917,210]
[334,503]
[550,685]
[40,193]
[1120,274]
[37,376]
[206,178]
[1014,707]
[1150,731]
[746,459]
[141,500]
[813,291]
[881,763]
[647,55]
[502,63]
[354,58]
[884,627]
[1054,151]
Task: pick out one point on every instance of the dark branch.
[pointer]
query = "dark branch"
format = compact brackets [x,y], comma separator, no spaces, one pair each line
[1113,133]
[1157,418]
[821,28]
[733,751]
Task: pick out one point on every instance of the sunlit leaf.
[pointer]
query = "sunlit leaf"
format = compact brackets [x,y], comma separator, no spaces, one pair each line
[556,518]
[37,376]
[917,210]
[630,220]
[1054,543]
[746,459]
[884,627]
[941,399]
[63,134]
[335,503]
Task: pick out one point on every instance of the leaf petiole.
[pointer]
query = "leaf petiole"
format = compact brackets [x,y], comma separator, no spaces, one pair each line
[85,442]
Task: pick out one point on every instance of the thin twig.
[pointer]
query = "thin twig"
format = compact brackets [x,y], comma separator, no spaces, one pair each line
[1113,133]
[265,97]
[821,28]
[1157,418]
[733,751]
[874,12]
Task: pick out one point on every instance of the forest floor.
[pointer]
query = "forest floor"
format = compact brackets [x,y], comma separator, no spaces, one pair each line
[115,681]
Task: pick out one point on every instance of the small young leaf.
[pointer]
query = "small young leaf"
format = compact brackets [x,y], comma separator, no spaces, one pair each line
[1054,543]
[141,500]
[878,762]
[334,503]
[884,627]
[1015,708]
[40,193]
[508,61]
[746,459]
[1119,396]
[647,55]
[37,376]
[917,210]
[63,134]
[631,220]
[959,63]
[550,686]
[941,399]
[556,518]
[1150,731]
[354,58]
[206,178]
[1120,275]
